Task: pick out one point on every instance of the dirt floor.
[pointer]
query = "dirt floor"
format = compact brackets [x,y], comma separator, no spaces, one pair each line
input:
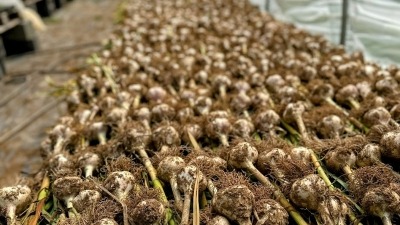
[27,110]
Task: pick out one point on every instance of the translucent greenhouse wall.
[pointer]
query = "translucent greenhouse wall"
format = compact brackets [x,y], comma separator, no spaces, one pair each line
[373,25]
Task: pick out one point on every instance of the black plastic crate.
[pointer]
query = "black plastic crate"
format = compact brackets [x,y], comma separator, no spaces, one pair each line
[20,39]
[60,3]
[45,8]
[9,18]
[2,59]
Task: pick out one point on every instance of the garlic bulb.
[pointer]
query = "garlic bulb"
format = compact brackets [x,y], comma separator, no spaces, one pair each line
[148,212]
[14,199]
[235,203]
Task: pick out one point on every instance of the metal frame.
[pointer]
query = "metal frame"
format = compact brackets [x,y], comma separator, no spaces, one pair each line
[343,27]
[344,21]
[266,6]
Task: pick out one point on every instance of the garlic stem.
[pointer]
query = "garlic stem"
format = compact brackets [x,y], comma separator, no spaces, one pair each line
[102,138]
[194,142]
[164,148]
[392,122]
[354,103]
[290,129]
[203,200]
[126,191]
[196,207]
[156,182]
[336,135]
[176,193]
[153,173]
[261,221]
[146,125]
[386,218]
[186,209]
[271,103]
[244,48]
[222,92]
[68,201]
[71,210]
[246,115]
[325,177]
[351,119]
[124,208]
[11,217]
[224,139]
[109,74]
[58,145]
[358,124]
[272,133]
[347,170]
[89,170]
[211,187]
[320,170]
[136,101]
[182,83]
[245,222]
[301,126]
[172,91]
[95,110]
[277,193]
[331,102]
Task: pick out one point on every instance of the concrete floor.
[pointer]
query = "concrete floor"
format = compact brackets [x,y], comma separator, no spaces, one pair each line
[73,34]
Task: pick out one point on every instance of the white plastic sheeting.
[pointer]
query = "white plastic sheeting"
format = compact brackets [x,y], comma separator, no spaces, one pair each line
[316,16]
[323,17]
[8,3]
[373,25]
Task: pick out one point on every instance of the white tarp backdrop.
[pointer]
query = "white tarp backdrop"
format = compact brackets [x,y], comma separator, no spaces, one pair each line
[373,25]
